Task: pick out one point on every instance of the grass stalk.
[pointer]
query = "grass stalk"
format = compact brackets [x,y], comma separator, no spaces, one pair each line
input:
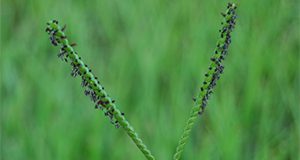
[214,71]
[92,86]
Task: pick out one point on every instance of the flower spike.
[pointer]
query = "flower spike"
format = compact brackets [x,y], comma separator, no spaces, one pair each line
[215,70]
[91,84]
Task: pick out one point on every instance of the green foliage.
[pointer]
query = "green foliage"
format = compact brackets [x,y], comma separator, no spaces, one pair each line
[151,56]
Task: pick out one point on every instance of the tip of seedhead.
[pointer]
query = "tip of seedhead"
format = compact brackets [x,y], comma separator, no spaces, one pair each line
[233,5]
[55,21]
[52,21]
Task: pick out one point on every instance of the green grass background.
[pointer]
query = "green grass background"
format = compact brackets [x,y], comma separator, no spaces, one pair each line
[151,56]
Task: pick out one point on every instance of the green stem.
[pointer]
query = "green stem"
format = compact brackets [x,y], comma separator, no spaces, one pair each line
[187,131]
[132,134]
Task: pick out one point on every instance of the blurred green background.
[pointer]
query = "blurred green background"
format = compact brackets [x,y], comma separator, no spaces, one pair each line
[151,56]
